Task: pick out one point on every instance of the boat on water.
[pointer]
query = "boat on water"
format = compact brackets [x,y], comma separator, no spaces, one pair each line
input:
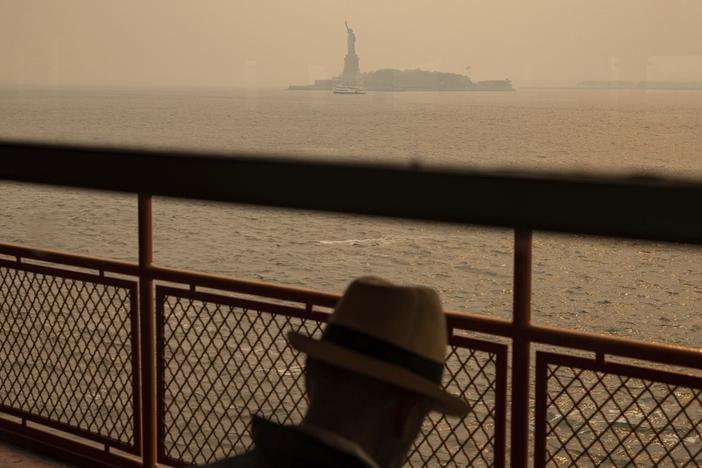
[347,89]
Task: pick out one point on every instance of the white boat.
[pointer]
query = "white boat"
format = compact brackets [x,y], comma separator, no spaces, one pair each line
[347,89]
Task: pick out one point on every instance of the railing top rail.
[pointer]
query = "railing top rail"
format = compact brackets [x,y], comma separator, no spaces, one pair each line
[74,260]
[635,207]
[288,293]
[255,288]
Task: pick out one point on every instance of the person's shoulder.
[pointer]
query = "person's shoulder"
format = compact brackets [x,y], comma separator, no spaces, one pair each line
[247,460]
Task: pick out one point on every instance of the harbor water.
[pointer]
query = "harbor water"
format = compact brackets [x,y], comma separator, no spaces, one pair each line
[644,290]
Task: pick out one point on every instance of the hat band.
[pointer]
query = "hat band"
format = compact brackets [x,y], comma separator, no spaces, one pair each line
[384,351]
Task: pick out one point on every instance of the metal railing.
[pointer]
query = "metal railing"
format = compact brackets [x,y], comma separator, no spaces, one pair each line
[220,357]
[209,350]
[223,358]
[55,357]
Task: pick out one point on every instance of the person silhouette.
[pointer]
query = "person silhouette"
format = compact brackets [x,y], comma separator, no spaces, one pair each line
[371,379]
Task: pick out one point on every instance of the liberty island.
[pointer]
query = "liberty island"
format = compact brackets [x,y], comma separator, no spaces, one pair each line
[392,79]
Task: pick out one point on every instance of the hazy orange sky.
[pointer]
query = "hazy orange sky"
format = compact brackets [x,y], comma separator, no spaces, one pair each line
[274,43]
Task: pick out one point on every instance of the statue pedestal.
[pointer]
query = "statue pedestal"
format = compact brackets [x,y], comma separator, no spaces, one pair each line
[352,71]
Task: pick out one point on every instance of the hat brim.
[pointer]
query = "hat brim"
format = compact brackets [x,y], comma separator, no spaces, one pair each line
[336,355]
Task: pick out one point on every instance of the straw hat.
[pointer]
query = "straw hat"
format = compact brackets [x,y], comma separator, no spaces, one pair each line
[393,333]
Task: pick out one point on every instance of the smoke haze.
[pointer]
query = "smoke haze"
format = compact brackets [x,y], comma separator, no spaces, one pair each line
[224,43]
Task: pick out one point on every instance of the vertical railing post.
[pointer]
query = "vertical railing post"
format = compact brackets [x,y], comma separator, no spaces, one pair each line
[147,320]
[521,317]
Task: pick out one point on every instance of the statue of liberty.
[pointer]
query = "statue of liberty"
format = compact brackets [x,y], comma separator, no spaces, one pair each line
[350,40]
[352,72]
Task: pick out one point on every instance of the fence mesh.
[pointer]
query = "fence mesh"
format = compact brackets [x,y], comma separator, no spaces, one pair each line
[222,363]
[595,418]
[66,351]
[449,441]
[66,358]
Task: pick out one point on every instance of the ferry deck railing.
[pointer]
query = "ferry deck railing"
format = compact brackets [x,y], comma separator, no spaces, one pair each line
[134,364]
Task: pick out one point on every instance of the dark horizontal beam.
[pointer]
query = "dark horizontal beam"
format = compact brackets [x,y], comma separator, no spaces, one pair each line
[644,208]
